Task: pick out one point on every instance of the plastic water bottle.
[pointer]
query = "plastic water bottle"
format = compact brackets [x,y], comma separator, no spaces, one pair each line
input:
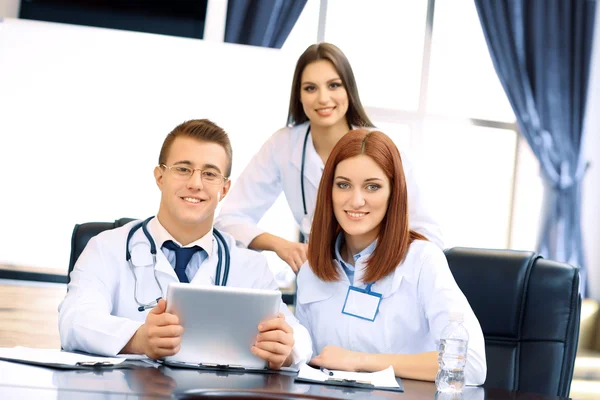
[452,356]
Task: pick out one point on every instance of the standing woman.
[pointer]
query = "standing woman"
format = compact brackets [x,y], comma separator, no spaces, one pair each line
[324,106]
[374,292]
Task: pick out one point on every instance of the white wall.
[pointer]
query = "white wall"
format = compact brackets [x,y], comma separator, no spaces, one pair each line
[84,111]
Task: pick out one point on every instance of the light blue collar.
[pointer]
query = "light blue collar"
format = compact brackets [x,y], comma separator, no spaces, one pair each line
[366,252]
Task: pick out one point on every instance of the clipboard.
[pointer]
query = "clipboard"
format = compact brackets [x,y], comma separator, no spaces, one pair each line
[379,380]
[351,383]
[57,359]
[229,368]
[82,365]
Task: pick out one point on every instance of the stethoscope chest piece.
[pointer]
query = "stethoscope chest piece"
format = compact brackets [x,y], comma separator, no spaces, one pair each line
[223,251]
[305,225]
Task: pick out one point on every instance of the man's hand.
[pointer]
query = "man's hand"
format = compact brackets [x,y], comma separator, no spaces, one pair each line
[333,357]
[159,337]
[274,342]
[295,254]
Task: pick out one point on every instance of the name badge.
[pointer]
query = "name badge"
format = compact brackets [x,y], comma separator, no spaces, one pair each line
[362,303]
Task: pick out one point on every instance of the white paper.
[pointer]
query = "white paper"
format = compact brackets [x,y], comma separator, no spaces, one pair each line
[384,378]
[135,357]
[52,356]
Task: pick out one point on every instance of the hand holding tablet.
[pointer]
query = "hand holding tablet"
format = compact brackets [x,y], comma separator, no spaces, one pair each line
[160,336]
[221,326]
[275,342]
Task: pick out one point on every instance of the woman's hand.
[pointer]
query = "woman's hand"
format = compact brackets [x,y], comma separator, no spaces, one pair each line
[333,357]
[295,254]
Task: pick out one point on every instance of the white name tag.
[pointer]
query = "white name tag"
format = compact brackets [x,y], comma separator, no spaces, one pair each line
[362,303]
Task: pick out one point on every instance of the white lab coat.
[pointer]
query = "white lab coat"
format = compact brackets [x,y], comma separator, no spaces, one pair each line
[276,167]
[99,313]
[417,299]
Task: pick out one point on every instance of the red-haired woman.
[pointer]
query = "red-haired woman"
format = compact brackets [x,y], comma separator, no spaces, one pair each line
[376,293]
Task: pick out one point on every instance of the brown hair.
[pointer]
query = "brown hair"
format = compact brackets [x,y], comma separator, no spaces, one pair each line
[394,235]
[356,114]
[200,129]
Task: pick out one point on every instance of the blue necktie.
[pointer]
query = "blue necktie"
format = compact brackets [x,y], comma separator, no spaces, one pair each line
[183,255]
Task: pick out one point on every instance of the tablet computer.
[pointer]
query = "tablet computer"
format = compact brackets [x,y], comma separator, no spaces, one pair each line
[220,324]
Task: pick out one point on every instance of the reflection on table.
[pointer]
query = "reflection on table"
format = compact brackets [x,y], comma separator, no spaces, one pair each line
[145,381]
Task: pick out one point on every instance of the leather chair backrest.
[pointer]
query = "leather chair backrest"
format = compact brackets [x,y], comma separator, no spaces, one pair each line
[82,233]
[529,311]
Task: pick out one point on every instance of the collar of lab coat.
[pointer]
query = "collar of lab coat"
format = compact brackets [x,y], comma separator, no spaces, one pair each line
[312,289]
[206,272]
[161,235]
[313,164]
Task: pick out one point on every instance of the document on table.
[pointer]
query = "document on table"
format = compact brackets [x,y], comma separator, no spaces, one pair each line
[56,358]
[383,380]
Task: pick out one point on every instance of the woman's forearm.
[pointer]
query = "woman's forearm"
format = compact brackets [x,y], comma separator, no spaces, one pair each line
[265,241]
[294,254]
[421,366]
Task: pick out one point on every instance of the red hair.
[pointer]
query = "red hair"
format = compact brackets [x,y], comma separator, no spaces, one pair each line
[394,236]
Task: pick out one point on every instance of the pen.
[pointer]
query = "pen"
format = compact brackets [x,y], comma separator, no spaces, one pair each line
[326,371]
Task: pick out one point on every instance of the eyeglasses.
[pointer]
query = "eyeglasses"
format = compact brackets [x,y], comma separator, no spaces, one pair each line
[209,175]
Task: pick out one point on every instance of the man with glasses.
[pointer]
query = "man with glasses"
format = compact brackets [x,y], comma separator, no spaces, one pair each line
[106,307]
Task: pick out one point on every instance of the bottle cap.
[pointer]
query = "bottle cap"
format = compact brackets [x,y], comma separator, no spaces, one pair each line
[456,316]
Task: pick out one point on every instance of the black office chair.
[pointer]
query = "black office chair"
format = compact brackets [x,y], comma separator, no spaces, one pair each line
[529,311]
[82,233]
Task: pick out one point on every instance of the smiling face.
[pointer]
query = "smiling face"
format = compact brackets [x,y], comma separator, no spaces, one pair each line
[188,205]
[323,96]
[360,196]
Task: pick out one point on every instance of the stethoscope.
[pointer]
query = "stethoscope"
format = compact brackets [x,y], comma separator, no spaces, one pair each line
[144,225]
[306,223]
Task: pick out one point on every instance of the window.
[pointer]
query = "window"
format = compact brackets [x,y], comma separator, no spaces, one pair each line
[384,42]
[473,168]
[462,80]
[305,30]
[427,79]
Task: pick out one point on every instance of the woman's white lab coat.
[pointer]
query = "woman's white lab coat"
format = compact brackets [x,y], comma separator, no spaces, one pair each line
[276,167]
[417,300]
[99,313]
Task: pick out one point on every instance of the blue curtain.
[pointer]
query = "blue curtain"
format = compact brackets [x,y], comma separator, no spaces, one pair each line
[541,53]
[265,23]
